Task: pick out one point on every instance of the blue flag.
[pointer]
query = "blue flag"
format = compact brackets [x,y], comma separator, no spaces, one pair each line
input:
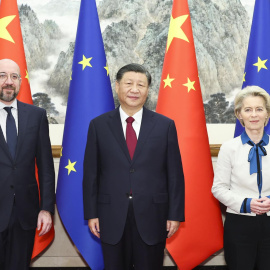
[258,56]
[90,95]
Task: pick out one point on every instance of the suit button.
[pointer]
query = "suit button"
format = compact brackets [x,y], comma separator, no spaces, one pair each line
[12,186]
[132,170]
[129,195]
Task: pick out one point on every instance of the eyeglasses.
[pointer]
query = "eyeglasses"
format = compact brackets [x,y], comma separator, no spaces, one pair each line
[13,76]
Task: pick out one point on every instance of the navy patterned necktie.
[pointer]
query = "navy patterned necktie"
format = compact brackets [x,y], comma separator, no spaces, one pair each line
[131,137]
[11,132]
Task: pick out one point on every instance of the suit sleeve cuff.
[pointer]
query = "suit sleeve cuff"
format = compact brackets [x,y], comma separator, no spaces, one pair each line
[245,207]
[248,205]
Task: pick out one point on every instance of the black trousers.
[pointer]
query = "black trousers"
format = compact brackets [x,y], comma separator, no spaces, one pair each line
[132,252]
[16,245]
[247,242]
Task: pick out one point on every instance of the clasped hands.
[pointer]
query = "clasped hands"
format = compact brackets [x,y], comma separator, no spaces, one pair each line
[260,206]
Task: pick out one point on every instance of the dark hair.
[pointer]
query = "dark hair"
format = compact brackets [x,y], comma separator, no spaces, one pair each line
[135,68]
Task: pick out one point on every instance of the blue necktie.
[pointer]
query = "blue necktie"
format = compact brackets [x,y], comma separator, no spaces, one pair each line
[11,132]
[255,156]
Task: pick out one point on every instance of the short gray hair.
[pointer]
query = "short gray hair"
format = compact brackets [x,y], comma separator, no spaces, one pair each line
[254,91]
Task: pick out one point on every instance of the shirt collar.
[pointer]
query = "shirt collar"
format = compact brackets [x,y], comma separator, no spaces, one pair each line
[245,138]
[137,116]
[13,104]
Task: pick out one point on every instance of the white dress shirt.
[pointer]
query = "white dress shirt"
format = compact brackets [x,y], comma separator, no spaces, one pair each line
[137,121]
[3,116]
[233,182]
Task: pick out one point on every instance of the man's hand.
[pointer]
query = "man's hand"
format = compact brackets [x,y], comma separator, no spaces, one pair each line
[260,206]
[93,225]
[44,222]
[172,227]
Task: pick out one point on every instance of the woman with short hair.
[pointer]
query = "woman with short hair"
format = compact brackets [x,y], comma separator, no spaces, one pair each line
[242,183]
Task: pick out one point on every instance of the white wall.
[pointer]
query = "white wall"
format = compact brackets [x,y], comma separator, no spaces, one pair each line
[217,133]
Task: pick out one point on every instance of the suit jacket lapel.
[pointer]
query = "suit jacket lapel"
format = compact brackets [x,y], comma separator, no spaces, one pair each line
[3,144]
[115,125]
[148,122]
[22,117]
[22,121]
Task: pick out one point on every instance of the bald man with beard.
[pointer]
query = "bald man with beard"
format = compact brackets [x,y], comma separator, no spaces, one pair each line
[24,143]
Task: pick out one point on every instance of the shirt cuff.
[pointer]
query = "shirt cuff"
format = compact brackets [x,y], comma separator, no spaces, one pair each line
[245,207]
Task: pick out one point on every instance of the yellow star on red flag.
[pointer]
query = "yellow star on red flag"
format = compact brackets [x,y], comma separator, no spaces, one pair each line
[175,30]
[184,104]
[27,75]
[4,22]
[189,85]
[168,81]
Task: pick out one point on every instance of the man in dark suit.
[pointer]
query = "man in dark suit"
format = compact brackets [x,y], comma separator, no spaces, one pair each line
[133,178]
[24,142]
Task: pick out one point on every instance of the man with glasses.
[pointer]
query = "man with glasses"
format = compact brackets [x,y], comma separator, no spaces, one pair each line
[24,143]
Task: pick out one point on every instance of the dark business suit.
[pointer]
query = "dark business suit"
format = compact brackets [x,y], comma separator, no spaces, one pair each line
[18,175]
[154,175]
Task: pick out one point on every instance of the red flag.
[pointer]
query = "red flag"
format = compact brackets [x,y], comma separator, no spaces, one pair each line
[11,47]
[180,99]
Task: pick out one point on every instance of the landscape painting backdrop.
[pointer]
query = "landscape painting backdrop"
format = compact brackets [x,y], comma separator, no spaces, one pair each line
[136,31]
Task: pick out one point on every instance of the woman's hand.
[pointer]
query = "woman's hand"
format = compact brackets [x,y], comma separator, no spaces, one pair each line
[260,206]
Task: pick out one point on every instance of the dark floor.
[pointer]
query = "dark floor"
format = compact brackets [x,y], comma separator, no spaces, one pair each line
[210,268]
[164,268]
